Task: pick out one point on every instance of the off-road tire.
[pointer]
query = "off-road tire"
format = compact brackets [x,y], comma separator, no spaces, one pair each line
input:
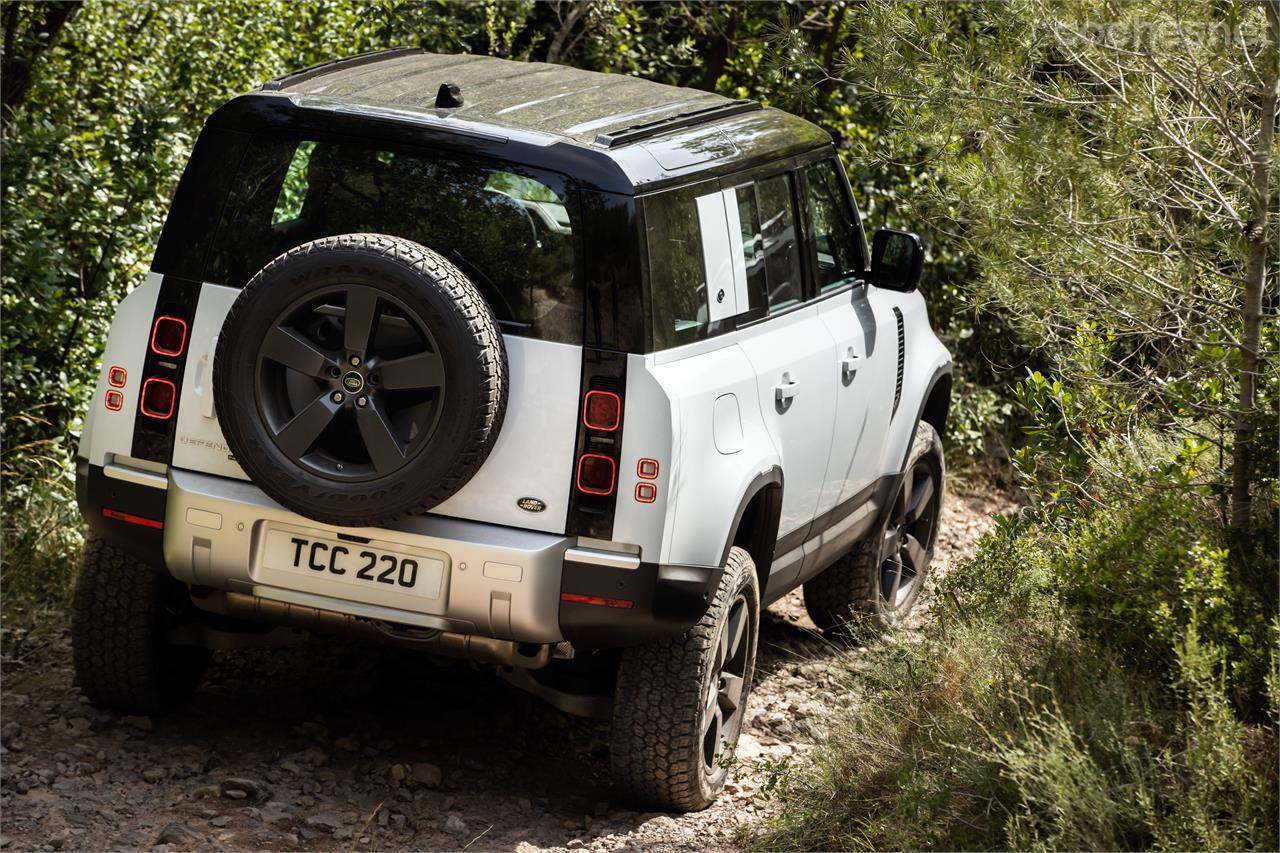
[656,744]
[120,618]
[849,590]
[475,366]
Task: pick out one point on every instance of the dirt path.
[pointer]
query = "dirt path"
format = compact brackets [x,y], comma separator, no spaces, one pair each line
[335,745]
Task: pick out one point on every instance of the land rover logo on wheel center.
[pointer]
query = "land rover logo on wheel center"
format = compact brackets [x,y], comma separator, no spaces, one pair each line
[353,381]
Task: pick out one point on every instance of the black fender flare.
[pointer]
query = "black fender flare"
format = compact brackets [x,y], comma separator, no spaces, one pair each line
[766,535]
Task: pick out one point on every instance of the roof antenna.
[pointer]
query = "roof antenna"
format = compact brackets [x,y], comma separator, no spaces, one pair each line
[449,96]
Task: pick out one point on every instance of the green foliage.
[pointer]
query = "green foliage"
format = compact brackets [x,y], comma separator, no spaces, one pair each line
[1015,722]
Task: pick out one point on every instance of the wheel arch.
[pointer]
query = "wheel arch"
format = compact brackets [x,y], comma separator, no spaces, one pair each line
[755,523]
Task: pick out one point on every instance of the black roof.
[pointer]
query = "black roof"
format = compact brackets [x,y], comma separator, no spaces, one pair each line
[650,133]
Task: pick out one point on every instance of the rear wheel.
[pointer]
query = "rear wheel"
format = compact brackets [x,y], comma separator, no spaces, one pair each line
[120,621]
[880,580]
[679,703]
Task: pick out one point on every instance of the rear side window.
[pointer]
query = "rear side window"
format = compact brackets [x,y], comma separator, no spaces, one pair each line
[511,232]
[834,234]
[677,272]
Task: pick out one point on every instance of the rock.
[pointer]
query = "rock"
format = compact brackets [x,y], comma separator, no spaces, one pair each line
[575,844]
[397,772]
[343,833]
[220,820]
[176,833]
[346,744]
[246,788]
[142,724]
[153,775]
[206,791]
[427,775]
[324,820]
[9,732]
[314,756]
[455,825]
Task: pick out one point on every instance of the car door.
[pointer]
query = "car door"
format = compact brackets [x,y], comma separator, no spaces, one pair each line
[788,344]
[836,253]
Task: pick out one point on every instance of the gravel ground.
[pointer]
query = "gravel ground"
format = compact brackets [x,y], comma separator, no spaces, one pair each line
[340,746]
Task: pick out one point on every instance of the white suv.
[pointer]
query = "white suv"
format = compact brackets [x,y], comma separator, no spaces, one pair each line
[565,372]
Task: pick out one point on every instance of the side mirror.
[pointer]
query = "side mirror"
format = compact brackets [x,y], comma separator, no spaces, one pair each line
[896,260]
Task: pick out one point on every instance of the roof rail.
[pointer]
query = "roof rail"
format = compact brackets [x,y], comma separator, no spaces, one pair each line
[675,122]
[278,83]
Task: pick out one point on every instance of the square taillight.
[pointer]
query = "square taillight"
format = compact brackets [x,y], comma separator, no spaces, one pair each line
[116,376]
[602,410]
[596,474]
[158,398]
[169,336]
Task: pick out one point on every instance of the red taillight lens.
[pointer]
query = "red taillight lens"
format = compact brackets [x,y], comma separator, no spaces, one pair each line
[646,493]
[158,397]
[596,474]
[116,377]
[169,336]
[647,469]
[602,410]
[114,400]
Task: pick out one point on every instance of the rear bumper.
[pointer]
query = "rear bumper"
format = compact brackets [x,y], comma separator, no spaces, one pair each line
[501,582]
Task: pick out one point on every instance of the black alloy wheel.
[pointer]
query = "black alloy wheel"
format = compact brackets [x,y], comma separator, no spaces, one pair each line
[907,542]
[723,709]
[350,383]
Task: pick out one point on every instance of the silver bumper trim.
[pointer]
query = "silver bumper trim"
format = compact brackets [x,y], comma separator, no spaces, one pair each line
[523,608]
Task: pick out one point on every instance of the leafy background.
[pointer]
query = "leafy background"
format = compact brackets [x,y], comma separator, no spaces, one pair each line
[1096,186]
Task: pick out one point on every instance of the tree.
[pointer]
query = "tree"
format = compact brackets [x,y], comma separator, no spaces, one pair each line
[1112,168]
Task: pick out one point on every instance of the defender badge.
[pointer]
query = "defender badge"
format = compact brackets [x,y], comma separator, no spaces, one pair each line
[531,505]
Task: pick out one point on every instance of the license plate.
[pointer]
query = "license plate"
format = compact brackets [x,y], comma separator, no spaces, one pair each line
[368,565]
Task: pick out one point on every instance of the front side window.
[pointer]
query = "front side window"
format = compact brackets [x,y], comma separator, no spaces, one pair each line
[834,234]
[780,246]
[770,252]
[510,232]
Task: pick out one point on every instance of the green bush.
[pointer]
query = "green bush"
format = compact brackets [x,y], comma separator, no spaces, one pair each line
[1032,714]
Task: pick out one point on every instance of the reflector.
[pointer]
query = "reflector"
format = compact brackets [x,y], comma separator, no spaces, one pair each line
[116,377]
[115,400]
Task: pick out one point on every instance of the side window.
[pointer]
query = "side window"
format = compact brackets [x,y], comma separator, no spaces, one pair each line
[770,250]
[834,235]
[677,276]
[781,248]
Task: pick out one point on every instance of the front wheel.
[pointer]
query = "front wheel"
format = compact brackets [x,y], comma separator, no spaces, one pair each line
[880,580]
[680,702]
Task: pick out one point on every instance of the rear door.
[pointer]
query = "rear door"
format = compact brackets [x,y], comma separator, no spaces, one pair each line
[790,346]
[516,233]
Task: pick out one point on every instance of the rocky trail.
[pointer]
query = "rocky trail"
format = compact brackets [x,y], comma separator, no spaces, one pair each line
[340,746]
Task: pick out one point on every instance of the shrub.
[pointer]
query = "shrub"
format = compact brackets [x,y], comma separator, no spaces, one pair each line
[1029,716]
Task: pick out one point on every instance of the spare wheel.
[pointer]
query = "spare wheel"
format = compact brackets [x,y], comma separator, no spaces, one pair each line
[359,379]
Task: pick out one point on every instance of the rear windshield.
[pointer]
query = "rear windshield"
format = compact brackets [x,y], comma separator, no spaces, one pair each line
[511,232]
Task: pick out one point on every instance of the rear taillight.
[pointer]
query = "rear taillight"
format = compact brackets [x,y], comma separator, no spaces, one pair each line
[114,400]
[597,474]
[116,377]
[169,336]
[601,410]
[158,398]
